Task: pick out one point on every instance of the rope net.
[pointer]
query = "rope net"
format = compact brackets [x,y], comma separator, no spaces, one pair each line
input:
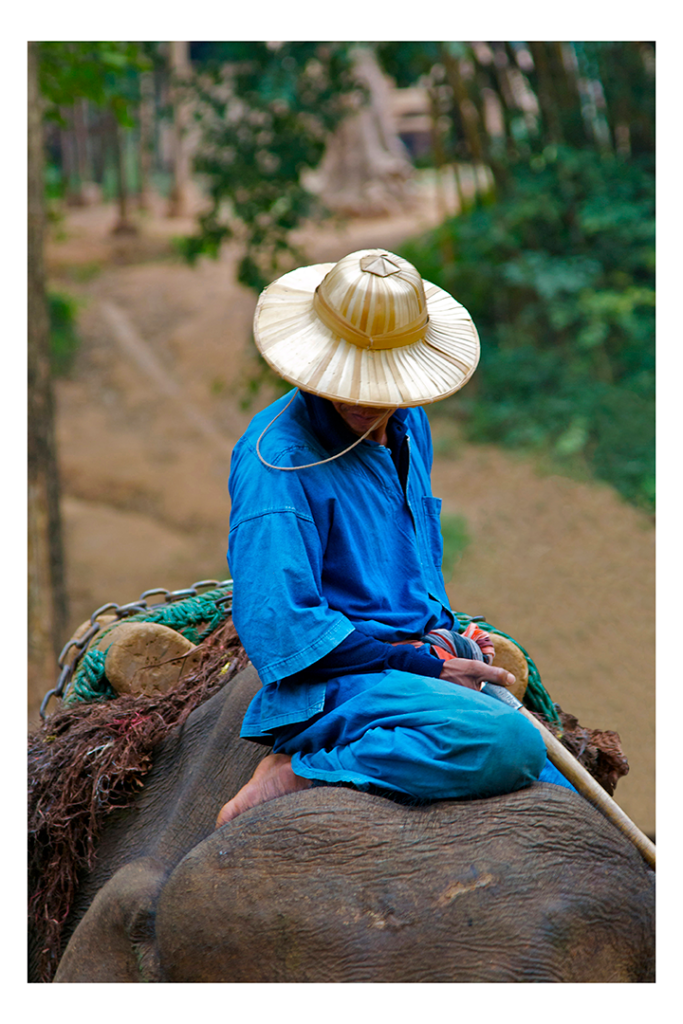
[195,618]
[89,758]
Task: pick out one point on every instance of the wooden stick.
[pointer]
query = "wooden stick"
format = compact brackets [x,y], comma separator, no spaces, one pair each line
[584,782]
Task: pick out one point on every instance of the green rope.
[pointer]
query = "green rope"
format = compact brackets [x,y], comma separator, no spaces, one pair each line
[91,682]
[186,616]
[536,697]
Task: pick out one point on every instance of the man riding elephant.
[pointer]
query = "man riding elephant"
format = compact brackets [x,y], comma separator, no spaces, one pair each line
[335,551]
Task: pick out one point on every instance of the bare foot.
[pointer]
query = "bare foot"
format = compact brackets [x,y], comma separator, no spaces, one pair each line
[273,777]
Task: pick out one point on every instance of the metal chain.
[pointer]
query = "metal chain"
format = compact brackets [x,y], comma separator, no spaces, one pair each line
[67,666]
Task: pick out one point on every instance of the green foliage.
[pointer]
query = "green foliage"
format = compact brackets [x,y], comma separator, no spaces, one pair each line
[265,112]
[408,62]
[456,538]
[105,73]
[559,278]
[104,77]
[84,272]
[64,337]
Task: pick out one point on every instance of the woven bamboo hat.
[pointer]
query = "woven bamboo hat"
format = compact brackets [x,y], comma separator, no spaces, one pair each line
[366,330]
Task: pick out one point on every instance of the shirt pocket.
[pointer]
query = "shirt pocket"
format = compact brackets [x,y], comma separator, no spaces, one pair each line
[431,508]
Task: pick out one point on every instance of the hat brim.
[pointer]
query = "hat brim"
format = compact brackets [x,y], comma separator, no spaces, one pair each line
[304,351]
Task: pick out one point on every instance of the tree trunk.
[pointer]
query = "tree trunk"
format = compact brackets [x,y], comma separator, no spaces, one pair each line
[88,192]
[468,111]
[565,82]
[545,91]
[99,136]
[67,146]
[366,167]
[440,166]
[124,225]
[146,140]
[180,70]
[47,607]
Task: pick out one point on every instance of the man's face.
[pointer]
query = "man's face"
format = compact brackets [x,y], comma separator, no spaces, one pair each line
[360,418]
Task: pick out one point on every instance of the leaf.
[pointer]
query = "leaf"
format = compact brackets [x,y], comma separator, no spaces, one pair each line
[565,314]
[456,538]
[574,438]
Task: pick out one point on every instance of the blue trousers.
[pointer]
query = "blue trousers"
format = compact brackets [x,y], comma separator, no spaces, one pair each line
[423,737]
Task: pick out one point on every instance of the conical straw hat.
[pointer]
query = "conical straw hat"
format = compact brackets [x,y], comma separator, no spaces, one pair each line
[366,330]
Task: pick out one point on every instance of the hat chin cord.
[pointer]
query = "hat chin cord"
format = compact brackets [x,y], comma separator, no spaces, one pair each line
[308,465]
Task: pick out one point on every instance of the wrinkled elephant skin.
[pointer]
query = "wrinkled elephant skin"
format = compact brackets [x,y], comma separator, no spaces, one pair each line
[334,885]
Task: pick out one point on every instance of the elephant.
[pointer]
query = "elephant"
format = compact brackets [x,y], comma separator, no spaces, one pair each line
[334,884]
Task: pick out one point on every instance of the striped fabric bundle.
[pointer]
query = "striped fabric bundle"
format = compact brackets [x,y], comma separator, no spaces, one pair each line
[448,643]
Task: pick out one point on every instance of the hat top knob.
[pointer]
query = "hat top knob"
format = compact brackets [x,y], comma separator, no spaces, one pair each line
[382,266]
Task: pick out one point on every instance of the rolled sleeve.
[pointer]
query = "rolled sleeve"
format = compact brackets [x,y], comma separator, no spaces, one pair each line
[279,610]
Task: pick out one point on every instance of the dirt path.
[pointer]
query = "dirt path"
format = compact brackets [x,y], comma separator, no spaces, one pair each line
[147,421]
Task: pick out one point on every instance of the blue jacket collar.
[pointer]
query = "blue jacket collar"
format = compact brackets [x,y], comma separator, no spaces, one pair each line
[335,434]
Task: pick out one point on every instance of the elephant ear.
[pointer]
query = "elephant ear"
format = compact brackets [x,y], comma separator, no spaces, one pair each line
[114,941]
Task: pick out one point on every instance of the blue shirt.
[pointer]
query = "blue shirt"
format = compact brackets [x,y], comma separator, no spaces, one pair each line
[316,554]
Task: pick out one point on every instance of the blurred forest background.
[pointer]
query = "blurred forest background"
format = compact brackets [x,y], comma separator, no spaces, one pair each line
[170,181]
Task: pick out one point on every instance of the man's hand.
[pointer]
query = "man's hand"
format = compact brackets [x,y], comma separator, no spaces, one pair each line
[472,674]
